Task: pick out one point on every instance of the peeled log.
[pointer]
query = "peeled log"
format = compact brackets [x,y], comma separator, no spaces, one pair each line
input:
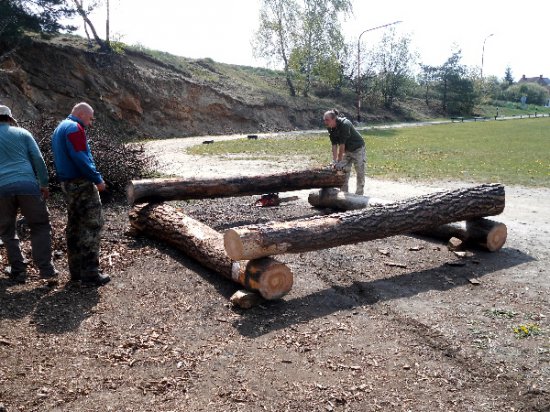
[271,278]
[155,190]
[336,199]
[483,233]
[321,232]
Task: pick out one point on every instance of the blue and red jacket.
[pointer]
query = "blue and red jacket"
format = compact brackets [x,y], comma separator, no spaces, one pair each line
[71,153]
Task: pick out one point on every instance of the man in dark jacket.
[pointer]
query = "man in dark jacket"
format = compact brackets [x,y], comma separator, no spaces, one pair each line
[348,148]
[81,184]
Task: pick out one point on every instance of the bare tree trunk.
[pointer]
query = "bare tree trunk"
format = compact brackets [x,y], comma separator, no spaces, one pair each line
[153,190]
[321,232]
[80,9]
[269,277]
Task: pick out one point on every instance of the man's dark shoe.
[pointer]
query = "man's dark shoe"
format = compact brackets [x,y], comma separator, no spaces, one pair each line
[97,280]
[49,275]
[17,277]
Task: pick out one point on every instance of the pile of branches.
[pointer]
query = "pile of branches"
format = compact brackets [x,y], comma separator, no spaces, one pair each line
[118,162]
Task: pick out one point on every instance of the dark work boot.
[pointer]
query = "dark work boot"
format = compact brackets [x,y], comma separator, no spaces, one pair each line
[97,279]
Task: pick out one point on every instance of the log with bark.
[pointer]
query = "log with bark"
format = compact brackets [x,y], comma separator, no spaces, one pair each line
[321,232]
[155,190]
[269,277]
[483,233]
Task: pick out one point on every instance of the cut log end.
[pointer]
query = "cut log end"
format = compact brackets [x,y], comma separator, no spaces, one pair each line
[233,244]
[130,193]
[487,233]
[276,280]
[496,237]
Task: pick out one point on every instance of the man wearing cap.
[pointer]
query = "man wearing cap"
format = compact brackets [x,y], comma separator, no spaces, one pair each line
[23,187]
[81,184]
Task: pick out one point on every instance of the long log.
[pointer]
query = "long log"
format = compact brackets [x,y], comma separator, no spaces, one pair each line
[483,233]
[321,232]
[155,190]
[269,277]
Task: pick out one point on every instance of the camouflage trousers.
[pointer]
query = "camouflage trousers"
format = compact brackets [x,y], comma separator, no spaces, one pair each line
[83,232]
[357,158]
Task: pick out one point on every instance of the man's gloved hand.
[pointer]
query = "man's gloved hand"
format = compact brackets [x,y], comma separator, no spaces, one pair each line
[339,165]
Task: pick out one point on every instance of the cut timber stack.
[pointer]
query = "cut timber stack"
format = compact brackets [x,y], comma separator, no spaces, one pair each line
[271,278]
[157,190]
[483,233]
[435,209]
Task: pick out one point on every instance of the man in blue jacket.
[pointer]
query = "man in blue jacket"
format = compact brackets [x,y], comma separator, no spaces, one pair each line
[24,187]
[81,184]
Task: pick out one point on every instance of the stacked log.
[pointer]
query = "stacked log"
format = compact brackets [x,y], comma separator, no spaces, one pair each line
[482,233]
[157,190]
[269,277]
[412,215]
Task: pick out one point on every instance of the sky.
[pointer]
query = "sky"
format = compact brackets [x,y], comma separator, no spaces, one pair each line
[515,34]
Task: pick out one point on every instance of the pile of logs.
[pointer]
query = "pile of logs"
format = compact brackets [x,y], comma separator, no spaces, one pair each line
[244,254]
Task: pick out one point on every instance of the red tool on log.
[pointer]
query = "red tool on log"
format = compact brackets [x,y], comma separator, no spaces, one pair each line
[273,199]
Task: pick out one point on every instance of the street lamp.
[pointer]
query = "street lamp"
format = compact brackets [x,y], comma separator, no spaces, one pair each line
[359,64]
[483,53]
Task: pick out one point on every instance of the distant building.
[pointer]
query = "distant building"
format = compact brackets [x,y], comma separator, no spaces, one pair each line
[543,81]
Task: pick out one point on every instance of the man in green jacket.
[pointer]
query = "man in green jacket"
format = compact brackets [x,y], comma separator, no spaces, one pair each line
[23,187]
[348,148]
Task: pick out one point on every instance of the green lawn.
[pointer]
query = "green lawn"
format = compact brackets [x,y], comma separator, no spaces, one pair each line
[508,151]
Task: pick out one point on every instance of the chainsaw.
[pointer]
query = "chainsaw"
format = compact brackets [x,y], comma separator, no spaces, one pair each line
[273,199]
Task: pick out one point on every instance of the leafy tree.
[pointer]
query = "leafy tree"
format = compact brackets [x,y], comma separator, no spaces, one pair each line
[276,36]
[428,79]
[320,39]
[456,90]
[393,60]
[305,37]
[508,77]
[41,16]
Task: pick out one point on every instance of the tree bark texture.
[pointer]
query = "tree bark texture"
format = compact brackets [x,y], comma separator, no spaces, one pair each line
[321,232]
[155,190]
[269,277]
[483,233]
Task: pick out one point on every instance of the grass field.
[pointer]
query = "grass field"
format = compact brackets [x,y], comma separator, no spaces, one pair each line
[507,151]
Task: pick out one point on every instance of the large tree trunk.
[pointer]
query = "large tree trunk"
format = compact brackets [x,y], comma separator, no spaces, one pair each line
[484,233]
[271,278]
[153,190]
[321,232]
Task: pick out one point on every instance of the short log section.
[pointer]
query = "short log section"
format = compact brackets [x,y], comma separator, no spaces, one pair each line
[333,198]
[269,277]
[304,235]
[481,233]
[157,190]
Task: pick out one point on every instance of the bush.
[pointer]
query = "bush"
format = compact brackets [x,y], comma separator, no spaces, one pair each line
[118,162]
[536,94]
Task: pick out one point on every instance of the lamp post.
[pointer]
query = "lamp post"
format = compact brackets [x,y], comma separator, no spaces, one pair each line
[359,64]
[483,53]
